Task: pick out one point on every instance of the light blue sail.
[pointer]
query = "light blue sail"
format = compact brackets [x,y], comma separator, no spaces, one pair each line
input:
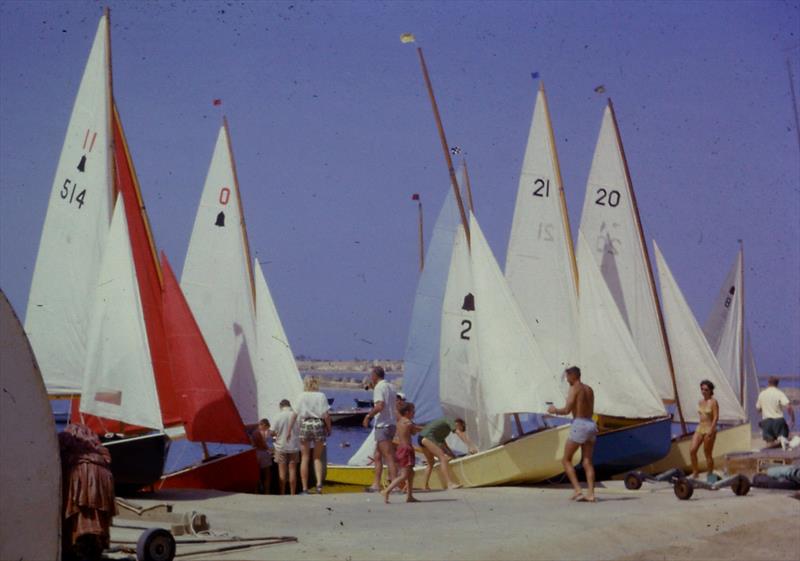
[421,375]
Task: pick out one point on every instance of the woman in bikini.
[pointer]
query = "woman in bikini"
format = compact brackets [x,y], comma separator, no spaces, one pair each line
[706,432]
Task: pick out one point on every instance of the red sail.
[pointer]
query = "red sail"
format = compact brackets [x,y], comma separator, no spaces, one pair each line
[147,273]
[206,406]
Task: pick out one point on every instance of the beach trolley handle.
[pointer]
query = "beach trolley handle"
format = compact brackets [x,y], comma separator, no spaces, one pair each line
[684,487]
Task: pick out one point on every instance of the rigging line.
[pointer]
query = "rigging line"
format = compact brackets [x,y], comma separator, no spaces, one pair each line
[794,102]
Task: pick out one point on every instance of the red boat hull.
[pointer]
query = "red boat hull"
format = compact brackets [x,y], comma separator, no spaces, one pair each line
[236,473]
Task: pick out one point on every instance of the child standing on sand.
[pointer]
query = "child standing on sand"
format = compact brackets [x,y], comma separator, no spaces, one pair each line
[404,456]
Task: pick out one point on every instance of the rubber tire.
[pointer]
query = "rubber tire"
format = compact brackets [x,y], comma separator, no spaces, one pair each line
[683,489]
[156,544]
[741,486]
[633,481]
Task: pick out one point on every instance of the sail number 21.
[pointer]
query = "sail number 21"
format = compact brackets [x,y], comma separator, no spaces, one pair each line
[68,190]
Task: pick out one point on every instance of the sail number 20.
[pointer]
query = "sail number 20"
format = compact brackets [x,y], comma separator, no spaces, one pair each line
[68,190]
[605,197]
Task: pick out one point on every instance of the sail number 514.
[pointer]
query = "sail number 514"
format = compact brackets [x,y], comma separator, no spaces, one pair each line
[68,190]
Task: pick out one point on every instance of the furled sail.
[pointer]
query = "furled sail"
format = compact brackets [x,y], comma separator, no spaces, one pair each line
[277,375]
[75,230]
[612,226]
[118,381]
[609,359]
[692,357]
[540,265]
[421,361]
[218,283]
[207,409]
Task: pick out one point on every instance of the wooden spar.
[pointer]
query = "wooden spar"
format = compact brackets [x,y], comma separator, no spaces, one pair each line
[110,91]
[741,323]
[421,237]
[561,195]
[139,200]
[445,149]
[650,276]
[245,239]
[468,186]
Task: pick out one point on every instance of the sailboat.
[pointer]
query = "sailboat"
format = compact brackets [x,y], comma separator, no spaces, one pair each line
[231,300]
[29,451]
[729,338]
[694,361]
[542,272]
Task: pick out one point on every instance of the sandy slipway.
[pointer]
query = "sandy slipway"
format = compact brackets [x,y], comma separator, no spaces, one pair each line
[503,523]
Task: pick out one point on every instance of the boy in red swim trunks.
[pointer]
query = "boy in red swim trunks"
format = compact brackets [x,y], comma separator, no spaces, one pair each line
[404,456]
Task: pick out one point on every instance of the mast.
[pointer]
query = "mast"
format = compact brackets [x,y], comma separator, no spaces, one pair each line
[241,212]
[468,186]
[650,277]
[561,195]
[741,323]
[421,233]
[111,108]
[445,149]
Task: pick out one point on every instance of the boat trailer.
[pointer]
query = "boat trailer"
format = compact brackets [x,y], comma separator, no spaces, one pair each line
[683,486]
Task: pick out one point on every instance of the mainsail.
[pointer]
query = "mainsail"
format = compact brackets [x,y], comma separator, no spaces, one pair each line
[692,357]
[611,224]
[609,359]
[540,265]
[75,229]
[234,308]
[421,360]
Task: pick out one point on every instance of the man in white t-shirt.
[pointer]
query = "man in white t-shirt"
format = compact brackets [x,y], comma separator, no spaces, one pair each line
[287,451]
[771,402]
[383,410]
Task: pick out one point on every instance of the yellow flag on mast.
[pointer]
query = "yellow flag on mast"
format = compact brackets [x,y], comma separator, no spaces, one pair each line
[407,38]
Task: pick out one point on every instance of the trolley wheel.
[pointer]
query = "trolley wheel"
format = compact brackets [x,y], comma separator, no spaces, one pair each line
[156,544]
[633,481]
[741,486]
[683,489]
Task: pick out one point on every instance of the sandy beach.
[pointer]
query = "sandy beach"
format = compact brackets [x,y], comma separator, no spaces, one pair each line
[502,523]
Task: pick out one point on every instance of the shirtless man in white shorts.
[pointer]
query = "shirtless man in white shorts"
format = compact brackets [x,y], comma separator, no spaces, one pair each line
[582,434]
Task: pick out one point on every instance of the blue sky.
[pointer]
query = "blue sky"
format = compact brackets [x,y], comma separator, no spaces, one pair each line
[332,133]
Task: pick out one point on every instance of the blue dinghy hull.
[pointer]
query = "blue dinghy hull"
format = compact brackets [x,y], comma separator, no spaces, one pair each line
[623,449]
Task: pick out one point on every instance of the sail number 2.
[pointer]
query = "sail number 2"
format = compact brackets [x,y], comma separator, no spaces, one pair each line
[467,325]
[68,190]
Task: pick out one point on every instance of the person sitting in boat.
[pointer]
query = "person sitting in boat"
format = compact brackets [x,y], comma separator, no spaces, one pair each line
[582,433]
[771,402]
[313,416]
[262,442]
[433,443]
[706,432]
[384,397]
[87,493]
[287,450]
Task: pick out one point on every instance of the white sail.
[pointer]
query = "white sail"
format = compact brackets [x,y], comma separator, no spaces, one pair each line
[277,376]
[118,381]
[75,229]
[692,357]
[216,280]
[609,359]
[540,262]
[611,225]
[725,325]
[31,481]
[421,360]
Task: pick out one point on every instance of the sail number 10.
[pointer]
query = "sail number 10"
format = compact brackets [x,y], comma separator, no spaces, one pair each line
[68,190]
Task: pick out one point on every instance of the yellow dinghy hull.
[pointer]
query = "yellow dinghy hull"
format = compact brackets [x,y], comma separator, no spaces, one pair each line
[531,458]
[730,439]
[352,475]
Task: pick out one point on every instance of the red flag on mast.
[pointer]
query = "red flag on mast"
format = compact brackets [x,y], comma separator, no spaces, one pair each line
[415,197]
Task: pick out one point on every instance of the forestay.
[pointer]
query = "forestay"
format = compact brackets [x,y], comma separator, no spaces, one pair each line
[692,357]
[609,359]
[118,380]
[751,387]
[75,230]
[277,376]
[611,225]
[217,280]
[421,360]
[540,266]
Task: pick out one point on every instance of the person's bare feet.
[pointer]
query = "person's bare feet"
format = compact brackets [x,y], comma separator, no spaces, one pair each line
[694,475]
[454,486]
[385,494]
[591,499]
[427,488]
[577,496]
[412,500]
